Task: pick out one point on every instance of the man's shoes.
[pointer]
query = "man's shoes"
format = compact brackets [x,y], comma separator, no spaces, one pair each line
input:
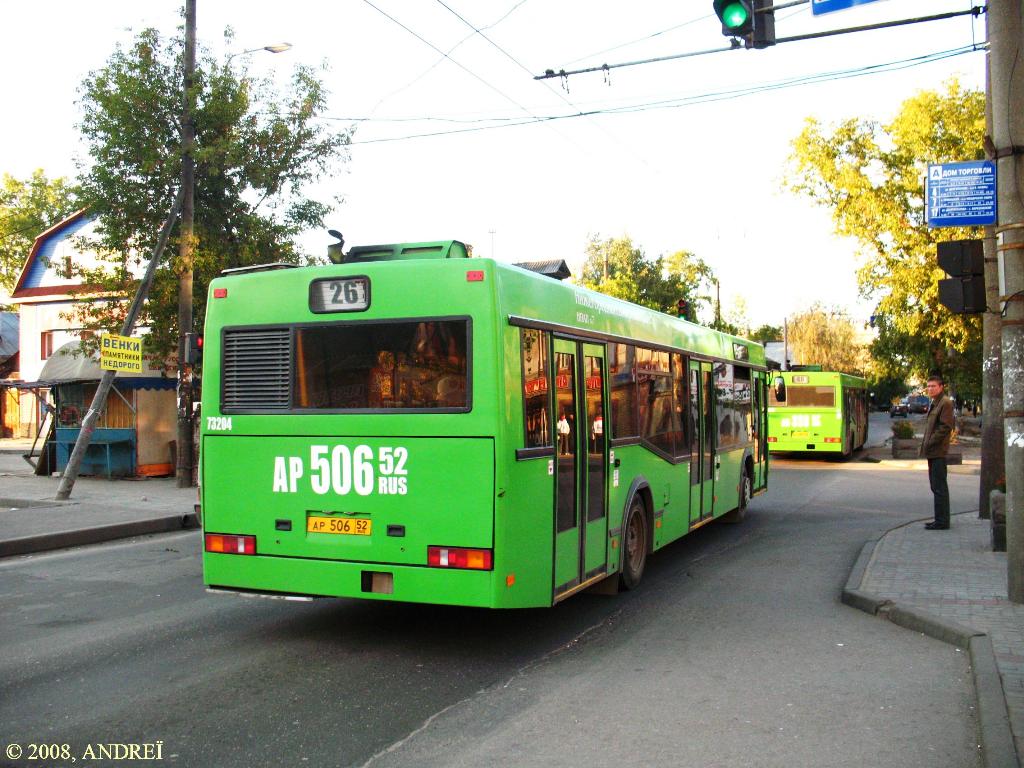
[936,527]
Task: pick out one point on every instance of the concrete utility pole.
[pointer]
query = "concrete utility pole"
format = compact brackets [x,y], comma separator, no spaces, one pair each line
[1007,101]
[67,480]
[186,248]
[993,467]
[785,343]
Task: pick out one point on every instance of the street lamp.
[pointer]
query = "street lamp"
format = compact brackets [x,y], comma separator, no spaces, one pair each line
[275,48]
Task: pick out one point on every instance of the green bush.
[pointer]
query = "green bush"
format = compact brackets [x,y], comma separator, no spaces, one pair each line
[903,430]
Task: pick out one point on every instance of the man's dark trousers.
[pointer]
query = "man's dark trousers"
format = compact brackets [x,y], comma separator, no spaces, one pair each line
[937,480]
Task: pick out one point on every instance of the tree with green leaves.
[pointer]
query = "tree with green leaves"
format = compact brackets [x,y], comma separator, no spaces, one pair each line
[27,208]
[737,319]
[826,337]
[256,151]
[618,268]
[870,175]
[766,333]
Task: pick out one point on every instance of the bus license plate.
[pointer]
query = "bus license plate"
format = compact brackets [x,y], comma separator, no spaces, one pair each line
[800,434]
[345,525]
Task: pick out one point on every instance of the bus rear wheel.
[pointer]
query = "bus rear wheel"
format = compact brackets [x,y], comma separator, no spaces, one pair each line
[848,451]
[635,538]
[746,493]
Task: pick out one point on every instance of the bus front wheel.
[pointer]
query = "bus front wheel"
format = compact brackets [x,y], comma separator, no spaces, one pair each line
[634,556]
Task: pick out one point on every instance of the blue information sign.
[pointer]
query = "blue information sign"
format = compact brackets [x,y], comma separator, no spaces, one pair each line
[961,194]
[819,7]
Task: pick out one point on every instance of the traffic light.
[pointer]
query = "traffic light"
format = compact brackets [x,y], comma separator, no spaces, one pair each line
[193,345]
[964,261]
[764,24]
[682,309]
[753,20]
[737,17]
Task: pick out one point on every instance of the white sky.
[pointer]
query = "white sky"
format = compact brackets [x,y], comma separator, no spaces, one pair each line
[661,176]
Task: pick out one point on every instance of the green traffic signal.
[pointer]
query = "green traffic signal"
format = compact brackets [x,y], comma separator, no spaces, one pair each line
[751,20]
[735,15]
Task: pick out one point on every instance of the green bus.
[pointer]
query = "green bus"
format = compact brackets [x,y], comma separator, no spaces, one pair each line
[811,410]
[412,424]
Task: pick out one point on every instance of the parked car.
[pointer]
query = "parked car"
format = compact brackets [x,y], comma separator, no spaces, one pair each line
[919,403]
[902,408]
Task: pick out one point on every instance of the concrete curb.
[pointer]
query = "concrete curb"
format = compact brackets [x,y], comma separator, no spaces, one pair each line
[76,538]
[997,746]
[996,737]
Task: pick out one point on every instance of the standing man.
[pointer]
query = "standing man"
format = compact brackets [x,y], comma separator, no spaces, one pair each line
[938,429]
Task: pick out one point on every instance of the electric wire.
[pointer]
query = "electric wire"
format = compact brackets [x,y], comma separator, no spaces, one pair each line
[640,39]
[627,148]
[465,69]
[433,66]
[484,124]
[534,118]
[736,44]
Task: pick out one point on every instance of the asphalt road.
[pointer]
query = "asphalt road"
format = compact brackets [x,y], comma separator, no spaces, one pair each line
[735,651]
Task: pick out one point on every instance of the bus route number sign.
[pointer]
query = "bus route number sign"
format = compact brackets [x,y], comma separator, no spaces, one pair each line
[339,294]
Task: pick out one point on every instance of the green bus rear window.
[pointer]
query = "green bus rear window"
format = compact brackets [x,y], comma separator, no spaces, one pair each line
[810,397]
[419,365]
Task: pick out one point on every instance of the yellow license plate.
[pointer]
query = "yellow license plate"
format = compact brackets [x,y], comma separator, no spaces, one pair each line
[346,525]
[800,434]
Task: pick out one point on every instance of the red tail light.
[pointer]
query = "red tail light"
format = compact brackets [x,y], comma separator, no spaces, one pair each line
[773,439]
[833,439]
[459,557]
[230,544]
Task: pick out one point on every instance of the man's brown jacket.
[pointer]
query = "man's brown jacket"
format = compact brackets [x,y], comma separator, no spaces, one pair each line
[938,428]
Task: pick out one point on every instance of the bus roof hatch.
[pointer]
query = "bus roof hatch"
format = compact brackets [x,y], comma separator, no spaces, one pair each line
[444,249]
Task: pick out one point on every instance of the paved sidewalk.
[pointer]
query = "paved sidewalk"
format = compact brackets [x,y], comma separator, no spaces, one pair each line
[955,575]
[98,510]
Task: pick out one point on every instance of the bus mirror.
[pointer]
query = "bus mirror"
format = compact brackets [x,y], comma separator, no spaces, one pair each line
[779,385]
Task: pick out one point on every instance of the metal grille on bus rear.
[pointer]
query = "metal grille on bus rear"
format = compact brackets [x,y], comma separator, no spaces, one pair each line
[257,369]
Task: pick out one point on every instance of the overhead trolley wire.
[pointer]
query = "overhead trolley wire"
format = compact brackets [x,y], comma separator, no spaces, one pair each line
[433,66]
[534,118]
[683,101]
[453,61]
[557,93]
[641,39]
[736,44]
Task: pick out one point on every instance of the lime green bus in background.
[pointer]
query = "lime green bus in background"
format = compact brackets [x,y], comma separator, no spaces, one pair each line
[810,410]
[412,424]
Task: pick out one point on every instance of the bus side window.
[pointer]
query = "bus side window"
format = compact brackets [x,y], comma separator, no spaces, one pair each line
[679,400]
[536,373]
[622,374]
[742,405]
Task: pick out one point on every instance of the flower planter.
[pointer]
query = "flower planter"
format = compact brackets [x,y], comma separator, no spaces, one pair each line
[905,448]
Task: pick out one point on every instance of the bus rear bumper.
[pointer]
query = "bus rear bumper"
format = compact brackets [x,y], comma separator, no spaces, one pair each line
[805,446]
[299,578]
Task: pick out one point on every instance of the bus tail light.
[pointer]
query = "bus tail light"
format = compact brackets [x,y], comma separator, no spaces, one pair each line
[460,557]
[833,439]
[773,439]
[475,276]
[229,544]
[220,293]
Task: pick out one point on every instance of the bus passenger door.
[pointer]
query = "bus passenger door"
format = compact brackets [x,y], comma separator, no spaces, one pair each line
[702,445]
[581,517]
[760,417]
